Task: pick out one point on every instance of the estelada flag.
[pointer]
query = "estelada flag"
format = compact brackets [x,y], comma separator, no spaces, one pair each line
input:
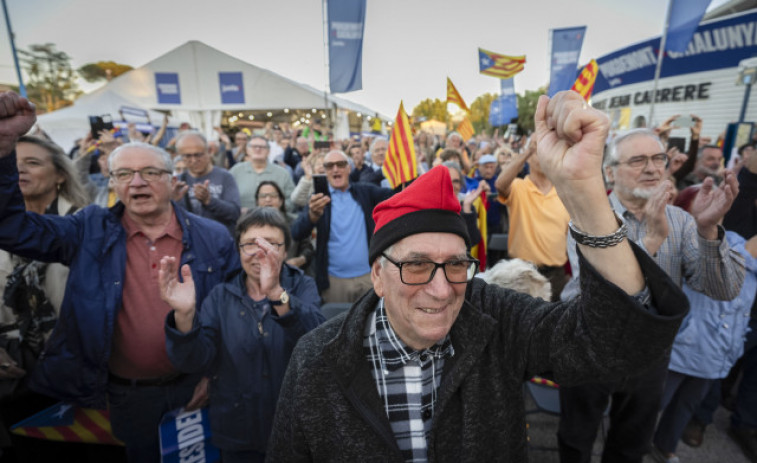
[465,129]
[453,96]
[585,81]
[68,423]
[400,165]
[501,66]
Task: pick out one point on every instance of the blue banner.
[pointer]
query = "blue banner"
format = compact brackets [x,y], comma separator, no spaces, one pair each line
[683,21]
[346,20]
[185,437]
[167,87]
[232,88]
[566,48]
[505,107]
[718,44]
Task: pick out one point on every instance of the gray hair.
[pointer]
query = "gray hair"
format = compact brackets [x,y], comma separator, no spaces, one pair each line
[191,133]
[452,135]
[456,166]
[613,157]
[161,153]
[376,140]
[520,276]
[346,158]
[700,153]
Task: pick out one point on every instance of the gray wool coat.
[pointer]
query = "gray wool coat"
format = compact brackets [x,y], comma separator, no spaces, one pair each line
[329,408]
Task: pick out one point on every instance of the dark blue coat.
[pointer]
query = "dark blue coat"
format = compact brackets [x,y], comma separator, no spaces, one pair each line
[246,367]
[74,365]
[367,195]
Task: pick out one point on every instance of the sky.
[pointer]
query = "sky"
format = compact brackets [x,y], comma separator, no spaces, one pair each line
[409,46]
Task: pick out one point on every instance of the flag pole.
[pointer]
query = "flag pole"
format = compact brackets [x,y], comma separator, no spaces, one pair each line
[324,14]
[21,87]
[660,56]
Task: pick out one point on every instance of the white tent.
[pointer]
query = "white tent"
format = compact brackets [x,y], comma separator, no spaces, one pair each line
[68,124]
[197,83]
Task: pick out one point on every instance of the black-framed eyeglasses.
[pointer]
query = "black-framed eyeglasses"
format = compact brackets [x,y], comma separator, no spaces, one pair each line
[339,164]
[639,162]
[192,155]
[148,174]
[420,272]
[251,248]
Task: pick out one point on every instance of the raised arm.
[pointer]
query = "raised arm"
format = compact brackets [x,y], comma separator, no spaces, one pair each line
[510,171]
[570,139]
[17,117]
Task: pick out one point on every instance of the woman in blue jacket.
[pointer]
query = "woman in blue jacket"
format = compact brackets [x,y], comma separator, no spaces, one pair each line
[244,334]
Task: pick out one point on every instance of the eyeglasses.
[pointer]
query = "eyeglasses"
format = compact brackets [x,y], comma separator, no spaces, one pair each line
[258,147]
[251,249]
[268,196]
[192,155]
[420,272]
[339,164]
[639,162]
[148,174]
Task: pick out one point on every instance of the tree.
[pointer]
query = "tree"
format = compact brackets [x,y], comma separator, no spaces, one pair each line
[479,112]
[527,108]
[52,82]
[431,109]
[95,72]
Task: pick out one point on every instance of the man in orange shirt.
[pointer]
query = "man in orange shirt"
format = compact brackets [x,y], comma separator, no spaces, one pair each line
[538,219]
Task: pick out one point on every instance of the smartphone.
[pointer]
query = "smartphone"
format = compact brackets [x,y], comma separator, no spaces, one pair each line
[321,184]
[678,142]
[99,123]
[684,122]
[321,145]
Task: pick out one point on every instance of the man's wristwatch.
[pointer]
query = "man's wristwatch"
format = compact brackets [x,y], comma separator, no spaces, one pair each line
[283,299]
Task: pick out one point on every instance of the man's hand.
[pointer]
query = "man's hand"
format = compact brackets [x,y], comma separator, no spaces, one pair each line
[202,192]
[316,206]
[676,160]
[570,141]
[178,190]
[472,195]
[696,129]
[199,397]
[8,367]
[17,116]
[180,296]
[711,204]
[654,215]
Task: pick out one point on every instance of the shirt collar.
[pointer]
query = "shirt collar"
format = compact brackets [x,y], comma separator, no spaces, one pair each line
[173,229]
[396,353]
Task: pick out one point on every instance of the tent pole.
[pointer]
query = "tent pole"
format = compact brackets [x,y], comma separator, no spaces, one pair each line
[21,86]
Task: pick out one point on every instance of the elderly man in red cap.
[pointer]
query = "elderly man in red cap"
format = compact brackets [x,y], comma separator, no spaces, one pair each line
[429,365]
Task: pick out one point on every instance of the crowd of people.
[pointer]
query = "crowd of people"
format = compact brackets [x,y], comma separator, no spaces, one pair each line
[142,279]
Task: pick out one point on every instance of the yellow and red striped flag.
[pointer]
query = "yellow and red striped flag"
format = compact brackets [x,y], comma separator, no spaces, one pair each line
[453,96]
[585,81]
[501,66]
[400,165]
[465,129]
[68,423]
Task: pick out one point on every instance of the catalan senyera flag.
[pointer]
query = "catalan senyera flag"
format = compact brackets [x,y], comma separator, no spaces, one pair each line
[400,165]
[480,205]
[585,81]
[453,96]
[465,129]
[68,423]
[501,66]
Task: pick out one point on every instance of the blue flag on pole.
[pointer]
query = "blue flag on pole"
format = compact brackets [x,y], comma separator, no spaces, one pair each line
[346,20]
[566,48]
[683,21]
[505,107]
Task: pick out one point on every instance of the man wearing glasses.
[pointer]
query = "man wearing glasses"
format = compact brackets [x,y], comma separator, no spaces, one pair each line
[685,247]
[257,168]
[108,348]
[429,364]
[344,227]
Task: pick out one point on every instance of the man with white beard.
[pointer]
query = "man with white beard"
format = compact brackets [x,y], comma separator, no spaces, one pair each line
[687,247]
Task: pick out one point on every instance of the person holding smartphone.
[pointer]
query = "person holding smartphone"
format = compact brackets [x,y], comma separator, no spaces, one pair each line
[344,226]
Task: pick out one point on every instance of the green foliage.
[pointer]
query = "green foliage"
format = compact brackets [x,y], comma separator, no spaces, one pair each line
[94,72]
[431,109]
[479,112]
[527,108]
[51,80]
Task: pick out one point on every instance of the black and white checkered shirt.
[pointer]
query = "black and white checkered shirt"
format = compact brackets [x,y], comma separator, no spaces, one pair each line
[406,380]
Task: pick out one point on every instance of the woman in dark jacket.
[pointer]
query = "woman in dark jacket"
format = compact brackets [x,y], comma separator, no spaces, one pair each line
[244,333]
